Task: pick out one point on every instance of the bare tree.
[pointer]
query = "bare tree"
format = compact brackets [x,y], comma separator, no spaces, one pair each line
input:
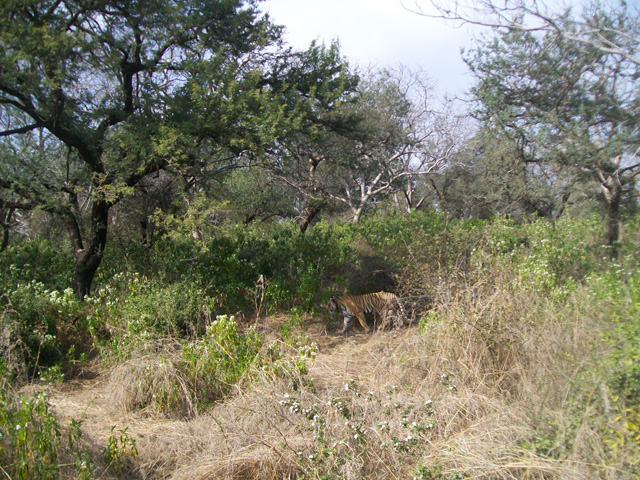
[442,133]
[396,135]
[611,29]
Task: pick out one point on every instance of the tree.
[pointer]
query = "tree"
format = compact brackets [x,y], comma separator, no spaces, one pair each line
[255,195]
[376,143]
[97,96]
[324,87]
[6,220]
[9,205]
[593,29]
[492,175]
[565,84]
[401,137]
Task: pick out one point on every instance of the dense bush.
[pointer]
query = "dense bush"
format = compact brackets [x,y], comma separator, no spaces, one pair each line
[221,358]
[41,328]
[132,313]
[228,267]
[36,260]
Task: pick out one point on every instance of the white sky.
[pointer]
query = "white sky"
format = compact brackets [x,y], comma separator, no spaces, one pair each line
[380,33]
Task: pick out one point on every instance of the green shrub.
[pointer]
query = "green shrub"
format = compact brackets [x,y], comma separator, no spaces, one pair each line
[226,268]
[619,297]
[32,436]
[49,326]
[36,261]
[392,231]
[132,313]
[30,440]
[175,310]
[221,358]
[120,451]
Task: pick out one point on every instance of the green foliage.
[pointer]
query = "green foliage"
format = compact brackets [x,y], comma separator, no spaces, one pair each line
[221,358]
[81,458]
[434,472]
[49,325]
[34,439]
[172,310]
[196,217]
[131,311]
[605,392]
[548,257]
[192,103]
[291,356]
[36,260]
[618,293]
[255,195]
[490,176]
[227,267]
[494,282]
[622,435]
[391,232]
[549,93]
[30,438]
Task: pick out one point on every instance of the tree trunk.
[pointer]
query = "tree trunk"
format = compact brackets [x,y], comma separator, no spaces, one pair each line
[6,225]
[313,207]
[145,234]
[89,257]
[357,213]
[612,191]
[5,240]
[308,214]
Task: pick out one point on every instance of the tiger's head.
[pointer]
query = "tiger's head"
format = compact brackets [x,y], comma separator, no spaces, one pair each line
[333,304]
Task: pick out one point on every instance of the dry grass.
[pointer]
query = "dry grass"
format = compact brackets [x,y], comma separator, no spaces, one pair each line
[154,384]
[480,391]
[256,462]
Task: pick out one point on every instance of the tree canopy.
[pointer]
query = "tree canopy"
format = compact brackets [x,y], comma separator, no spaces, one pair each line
[571,105]
[97,96]
[159,116]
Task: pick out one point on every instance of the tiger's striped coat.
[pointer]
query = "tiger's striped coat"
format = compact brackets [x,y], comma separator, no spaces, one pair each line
[381,303]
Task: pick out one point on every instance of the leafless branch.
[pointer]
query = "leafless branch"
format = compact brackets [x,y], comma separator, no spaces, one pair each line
[20,130]
[534,15]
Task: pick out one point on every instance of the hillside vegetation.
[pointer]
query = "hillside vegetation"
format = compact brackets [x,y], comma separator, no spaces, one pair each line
[216,359]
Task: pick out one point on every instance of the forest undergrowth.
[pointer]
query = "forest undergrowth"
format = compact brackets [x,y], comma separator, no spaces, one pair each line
[522,359]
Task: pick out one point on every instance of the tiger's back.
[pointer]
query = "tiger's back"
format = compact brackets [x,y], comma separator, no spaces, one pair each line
[357,305]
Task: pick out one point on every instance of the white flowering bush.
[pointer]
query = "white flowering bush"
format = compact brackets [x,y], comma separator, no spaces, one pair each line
[352,424]
[132,314]
[293,355]
[33,318]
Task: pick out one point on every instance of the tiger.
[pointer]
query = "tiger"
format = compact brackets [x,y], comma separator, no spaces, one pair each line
[358,305]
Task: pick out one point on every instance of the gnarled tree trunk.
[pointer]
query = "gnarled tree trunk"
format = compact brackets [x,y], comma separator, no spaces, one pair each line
[88,254]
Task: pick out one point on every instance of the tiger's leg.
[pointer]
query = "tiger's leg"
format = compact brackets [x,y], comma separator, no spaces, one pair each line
[347,320]
[363,322]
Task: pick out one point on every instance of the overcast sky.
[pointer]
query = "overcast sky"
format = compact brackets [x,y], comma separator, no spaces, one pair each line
[381,33]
